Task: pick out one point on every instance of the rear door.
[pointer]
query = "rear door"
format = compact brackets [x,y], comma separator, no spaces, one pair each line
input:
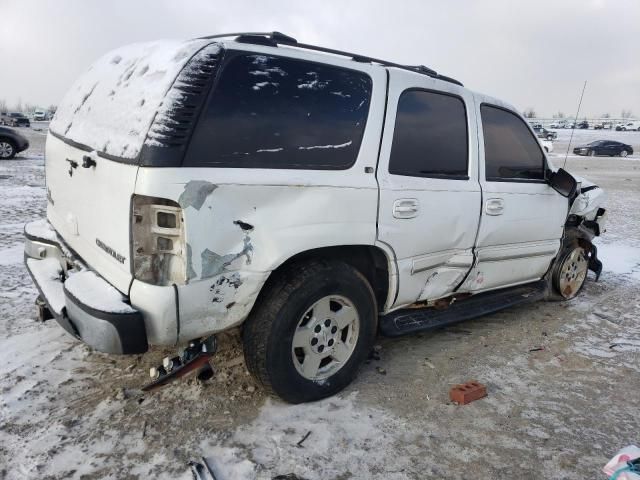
[429,191]
[522,217]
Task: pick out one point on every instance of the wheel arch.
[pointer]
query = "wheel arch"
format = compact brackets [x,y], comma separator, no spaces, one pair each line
[372,261]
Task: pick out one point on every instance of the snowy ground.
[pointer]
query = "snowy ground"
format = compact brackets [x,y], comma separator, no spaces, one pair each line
[560,412]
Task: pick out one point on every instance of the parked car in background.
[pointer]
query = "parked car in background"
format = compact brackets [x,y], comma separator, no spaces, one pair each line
[583,125]
[544,133]
[39,116]
[14,119]
[194,219]
[634,125]
[558,124]
[11,143]
[535,124]
[607,148]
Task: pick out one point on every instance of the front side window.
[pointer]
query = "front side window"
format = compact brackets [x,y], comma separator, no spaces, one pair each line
[511,152]
[277,112]
[430,136]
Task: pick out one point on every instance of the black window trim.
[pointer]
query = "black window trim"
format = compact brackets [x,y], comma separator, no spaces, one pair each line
[442,176]
[230,54]
[545,165]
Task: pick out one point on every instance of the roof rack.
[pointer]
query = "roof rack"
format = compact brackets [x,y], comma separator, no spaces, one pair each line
[274,39]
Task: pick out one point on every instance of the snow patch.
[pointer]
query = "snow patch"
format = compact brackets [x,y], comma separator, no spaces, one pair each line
[347,439]
[12,255]
[342,145]
[109,108]
[93,291]
[620,259]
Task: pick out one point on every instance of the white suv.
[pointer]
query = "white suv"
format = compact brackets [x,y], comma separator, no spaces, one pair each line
[312,197]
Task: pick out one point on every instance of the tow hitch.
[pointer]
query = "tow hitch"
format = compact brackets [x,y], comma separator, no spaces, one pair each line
[195,356]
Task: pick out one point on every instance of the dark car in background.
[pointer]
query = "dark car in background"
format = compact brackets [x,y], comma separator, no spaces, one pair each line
[583,124]
[11,142]
[607,148]
[14,119]
[542,132]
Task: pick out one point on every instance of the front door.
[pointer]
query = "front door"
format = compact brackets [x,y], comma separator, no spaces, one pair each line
[429,191]
[522,217]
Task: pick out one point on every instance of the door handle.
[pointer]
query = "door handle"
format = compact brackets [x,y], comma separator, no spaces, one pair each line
[494,206]
[406,208]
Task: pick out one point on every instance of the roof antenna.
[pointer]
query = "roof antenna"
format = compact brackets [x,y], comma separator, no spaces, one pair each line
[574,124]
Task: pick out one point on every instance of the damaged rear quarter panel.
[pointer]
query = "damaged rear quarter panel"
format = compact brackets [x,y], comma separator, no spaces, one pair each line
[237,232]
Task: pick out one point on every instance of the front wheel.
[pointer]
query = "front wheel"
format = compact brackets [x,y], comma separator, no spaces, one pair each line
[592,153]
[570,271]
[624,153]
[311,330]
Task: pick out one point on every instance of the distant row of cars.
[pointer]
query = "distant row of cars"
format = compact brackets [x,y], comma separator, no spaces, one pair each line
[632,125]
[18,119]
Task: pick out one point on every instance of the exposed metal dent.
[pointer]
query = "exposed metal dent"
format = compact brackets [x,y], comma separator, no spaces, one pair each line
[191,273]
[195,193]
[214,264]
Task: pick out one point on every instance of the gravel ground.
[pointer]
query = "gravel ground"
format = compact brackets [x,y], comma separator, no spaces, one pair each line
[563,381]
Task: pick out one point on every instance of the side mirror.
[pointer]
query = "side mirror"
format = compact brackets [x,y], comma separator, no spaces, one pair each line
[563,183]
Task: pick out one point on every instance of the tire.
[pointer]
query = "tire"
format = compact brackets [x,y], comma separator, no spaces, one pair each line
[549,137]
[592,153]
[7,149]
[569,272]
[546,149]
[624,153]
[289,306]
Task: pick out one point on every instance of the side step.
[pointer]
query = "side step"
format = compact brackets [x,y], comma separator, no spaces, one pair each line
[410,320]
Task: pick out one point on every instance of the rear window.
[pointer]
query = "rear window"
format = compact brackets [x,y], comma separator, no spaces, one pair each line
[275,112]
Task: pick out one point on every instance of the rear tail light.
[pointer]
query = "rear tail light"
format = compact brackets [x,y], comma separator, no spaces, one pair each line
[158,245]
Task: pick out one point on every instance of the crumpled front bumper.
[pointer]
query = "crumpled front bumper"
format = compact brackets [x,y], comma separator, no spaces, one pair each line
[119,329]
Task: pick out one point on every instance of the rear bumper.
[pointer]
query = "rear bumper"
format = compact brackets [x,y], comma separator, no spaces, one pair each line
[117,329]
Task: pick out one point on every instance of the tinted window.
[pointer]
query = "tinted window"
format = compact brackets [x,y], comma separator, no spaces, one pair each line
[430,136]
[511,151]
[274,112]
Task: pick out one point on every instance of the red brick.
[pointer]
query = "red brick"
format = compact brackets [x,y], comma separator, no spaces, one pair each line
[467,392]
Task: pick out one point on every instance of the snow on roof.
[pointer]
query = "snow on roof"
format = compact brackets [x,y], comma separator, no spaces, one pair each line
[112,105]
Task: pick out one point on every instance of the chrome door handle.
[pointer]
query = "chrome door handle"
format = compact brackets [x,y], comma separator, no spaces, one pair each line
[494,206]
[406,208]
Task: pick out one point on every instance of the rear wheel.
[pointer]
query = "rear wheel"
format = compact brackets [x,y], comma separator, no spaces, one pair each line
[570,271]
[311,330]
[7,149]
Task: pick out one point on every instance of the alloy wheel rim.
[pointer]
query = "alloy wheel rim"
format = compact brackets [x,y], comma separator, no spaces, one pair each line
[325,337]
[573,273]
[5,149]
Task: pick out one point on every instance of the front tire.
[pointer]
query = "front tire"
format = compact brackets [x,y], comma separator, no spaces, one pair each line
[592,153]
[310,330]
[624,153]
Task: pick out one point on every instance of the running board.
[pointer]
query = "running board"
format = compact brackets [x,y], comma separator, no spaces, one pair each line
[410,320]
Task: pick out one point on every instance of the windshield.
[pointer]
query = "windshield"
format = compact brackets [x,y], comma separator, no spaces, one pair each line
[593,144]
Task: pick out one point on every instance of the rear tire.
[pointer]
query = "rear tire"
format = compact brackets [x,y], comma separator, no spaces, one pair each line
[329,309]
[7,150]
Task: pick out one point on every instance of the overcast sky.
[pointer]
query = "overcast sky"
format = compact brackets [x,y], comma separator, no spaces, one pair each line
[530,53]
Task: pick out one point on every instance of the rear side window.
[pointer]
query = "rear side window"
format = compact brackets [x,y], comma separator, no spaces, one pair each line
[511,151]
[430,136]
[276,112]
